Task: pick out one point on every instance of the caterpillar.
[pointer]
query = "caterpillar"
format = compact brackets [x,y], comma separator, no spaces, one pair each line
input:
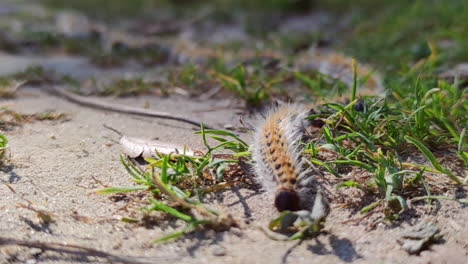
[276,153]
[277,157]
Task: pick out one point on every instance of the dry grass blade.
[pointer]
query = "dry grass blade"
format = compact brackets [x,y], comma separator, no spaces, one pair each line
[8,88]
[66,248]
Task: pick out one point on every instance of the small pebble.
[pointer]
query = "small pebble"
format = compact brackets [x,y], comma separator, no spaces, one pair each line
[229,127]
[218,251]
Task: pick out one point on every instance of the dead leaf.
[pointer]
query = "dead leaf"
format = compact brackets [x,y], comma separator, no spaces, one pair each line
[137,147]
[419,238]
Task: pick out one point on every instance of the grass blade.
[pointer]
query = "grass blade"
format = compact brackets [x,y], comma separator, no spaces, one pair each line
[432,159]
[370,207]
[325,165]
[122,189]
[354,88]
[160,206]
[356,163]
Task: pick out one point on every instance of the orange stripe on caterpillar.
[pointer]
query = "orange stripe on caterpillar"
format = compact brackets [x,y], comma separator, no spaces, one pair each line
[276,155]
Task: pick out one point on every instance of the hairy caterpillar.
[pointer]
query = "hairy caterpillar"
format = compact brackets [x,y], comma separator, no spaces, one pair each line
[276,154]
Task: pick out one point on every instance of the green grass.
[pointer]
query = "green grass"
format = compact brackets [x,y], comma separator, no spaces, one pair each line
[10,118]
[396,34]
[389,34]
[33,75]
[252,87]
[371,136]
[409,41]
[92,47]
[176,181]
[3,147]
[8,87]
[109,10]
[256,83]
[376,138]
[125,87]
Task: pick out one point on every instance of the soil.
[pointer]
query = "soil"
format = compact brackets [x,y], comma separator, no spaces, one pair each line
[56,166]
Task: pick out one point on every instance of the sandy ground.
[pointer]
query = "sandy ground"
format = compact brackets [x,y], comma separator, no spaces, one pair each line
[56,165]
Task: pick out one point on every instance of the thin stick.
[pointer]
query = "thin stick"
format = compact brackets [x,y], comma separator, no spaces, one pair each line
[113,130]
[66,248]
[99,104]
[360,218]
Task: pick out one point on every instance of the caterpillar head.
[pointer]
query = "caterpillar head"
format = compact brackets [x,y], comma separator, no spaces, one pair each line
[287,200]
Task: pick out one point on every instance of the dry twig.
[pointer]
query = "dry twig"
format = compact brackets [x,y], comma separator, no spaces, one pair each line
[99,104]
[71,249]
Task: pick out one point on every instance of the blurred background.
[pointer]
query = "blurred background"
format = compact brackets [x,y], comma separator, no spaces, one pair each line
[390,36]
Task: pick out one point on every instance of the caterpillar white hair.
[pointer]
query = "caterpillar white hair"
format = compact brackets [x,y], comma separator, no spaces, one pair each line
[276,154]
